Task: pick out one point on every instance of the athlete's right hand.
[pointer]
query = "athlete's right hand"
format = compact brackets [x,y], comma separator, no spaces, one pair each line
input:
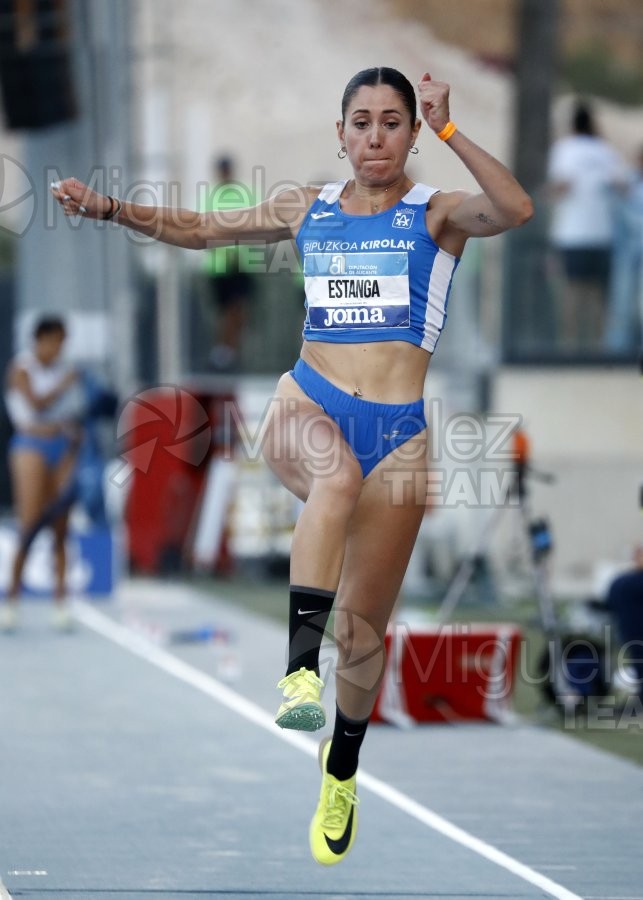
[77,199]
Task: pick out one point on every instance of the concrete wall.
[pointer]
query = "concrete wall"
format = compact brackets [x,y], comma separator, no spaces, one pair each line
[586,427]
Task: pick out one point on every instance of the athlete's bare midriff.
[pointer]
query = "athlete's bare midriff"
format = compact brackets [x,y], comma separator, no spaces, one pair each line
[383,372]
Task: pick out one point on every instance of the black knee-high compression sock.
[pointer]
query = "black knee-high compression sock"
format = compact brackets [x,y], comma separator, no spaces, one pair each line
[309,611]
[345,746]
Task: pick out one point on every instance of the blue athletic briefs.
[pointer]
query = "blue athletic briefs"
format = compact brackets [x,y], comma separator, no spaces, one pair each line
[371,430]
[374,278]
[52,449]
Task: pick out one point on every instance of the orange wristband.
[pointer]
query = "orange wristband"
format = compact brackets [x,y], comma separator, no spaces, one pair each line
[448,131]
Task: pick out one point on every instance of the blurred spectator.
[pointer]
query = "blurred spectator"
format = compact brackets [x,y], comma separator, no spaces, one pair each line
[584,174]
[625,318]
[227,269]
[44,400]
[625,602]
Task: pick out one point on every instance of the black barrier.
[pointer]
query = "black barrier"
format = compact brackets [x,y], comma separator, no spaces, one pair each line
[35,64]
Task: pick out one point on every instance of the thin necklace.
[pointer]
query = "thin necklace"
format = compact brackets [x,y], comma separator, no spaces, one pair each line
[376,205]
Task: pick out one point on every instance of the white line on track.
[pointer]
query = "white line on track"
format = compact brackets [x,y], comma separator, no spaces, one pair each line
[160,658]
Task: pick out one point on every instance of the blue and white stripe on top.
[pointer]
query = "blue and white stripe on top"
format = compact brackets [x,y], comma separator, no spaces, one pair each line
[374,278]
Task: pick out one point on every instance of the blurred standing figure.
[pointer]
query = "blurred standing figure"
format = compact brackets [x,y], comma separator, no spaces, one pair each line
[625,602]
[42,399]
[226,268]
[584,172]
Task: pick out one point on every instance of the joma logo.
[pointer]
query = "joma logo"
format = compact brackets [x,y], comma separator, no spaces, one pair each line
[373,315]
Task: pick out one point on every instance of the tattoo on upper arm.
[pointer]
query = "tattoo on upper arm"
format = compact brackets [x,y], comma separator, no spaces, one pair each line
[484,219]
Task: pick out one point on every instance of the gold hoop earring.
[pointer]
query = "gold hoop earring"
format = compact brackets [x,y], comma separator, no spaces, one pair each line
[414,150]
[341,154]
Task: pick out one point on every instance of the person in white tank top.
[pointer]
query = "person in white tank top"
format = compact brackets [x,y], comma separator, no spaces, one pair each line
[44,400]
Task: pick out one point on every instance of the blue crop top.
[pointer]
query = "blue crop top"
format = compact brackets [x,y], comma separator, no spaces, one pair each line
[373,278]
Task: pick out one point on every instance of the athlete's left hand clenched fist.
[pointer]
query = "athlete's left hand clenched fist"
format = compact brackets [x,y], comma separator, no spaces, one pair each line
[434,102]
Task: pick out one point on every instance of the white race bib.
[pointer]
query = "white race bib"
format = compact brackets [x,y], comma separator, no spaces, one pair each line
[357,290]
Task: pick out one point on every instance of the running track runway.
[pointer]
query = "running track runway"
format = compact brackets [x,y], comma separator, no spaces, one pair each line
[129,772]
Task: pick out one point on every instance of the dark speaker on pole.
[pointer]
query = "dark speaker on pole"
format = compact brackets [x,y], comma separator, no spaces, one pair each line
[35,65]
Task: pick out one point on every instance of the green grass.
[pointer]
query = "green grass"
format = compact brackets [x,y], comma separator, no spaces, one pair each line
[600,724]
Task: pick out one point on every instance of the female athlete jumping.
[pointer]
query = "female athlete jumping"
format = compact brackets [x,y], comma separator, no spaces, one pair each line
[346,432]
